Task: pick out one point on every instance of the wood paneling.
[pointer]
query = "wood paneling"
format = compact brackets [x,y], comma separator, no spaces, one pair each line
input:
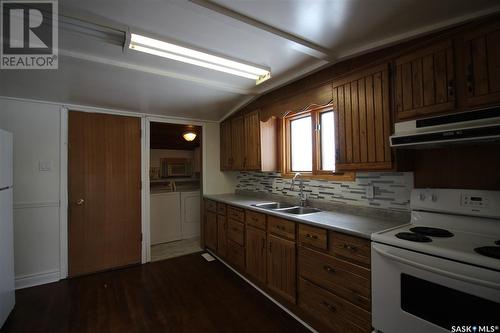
[169,136]
[462,166]
[104,192]
[363,120]
[211,230]
[281,267]
[256,253]
[482,61]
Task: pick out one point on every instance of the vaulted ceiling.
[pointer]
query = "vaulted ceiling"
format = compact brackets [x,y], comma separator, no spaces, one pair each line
[292,38]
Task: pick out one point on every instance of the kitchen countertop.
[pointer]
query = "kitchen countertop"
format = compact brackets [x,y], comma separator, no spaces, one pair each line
[361,226]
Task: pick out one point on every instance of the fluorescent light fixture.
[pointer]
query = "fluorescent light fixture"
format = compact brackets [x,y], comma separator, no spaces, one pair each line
[189,136]
[197,58]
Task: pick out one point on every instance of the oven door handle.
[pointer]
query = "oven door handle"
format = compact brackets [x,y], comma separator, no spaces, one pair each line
[455,276]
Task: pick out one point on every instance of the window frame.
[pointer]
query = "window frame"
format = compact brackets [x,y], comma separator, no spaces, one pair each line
[314,112]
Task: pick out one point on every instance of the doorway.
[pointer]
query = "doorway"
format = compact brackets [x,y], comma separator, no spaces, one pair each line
[104,188]
[175,189]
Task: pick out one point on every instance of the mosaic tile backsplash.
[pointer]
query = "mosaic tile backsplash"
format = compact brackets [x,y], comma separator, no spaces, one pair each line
[391,189]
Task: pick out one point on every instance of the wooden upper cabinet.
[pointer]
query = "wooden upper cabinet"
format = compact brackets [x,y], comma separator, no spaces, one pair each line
[238,143]
[363,120]
[424,82]
[482,62]
[226,151]
[252,141]
[247,143]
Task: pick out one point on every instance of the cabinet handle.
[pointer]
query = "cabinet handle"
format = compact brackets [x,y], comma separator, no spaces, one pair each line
[312,236]
[329,269]
[329,306]
[349,247]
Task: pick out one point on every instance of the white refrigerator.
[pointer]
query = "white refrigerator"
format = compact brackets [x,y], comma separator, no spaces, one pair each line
[7,296]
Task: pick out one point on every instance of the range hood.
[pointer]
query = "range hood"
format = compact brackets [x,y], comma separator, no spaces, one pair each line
[471,126]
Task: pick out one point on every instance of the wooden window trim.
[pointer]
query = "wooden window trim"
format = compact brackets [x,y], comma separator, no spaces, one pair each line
[286,170]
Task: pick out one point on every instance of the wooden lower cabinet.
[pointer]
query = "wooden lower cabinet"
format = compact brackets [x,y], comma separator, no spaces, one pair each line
[236,254]
[331,310]
[256,253]
[221,236]
[281,267]
[211,230]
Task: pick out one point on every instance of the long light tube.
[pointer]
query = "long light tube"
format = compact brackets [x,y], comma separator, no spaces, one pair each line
[197,58]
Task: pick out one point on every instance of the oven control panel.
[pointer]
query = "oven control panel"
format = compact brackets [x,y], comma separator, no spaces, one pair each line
[457,201]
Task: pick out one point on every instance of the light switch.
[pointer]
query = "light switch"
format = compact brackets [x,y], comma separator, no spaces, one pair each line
[45,165]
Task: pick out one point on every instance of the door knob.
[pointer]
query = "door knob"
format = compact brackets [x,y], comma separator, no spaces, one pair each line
[80,202]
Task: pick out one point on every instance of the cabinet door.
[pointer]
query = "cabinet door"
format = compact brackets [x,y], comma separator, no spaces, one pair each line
[226,158]
[211,230]
[425,82]
[482,60]
[221,235]
[256,253]
[238,143]
[363,120]
[281,267]
[252,141]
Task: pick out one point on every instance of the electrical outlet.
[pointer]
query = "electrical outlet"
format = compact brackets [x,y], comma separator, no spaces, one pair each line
[370,191]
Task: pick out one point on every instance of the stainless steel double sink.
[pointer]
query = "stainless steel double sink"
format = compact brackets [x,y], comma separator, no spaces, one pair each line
[287,208]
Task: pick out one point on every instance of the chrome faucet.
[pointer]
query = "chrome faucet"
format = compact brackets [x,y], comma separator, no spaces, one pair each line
[302,195]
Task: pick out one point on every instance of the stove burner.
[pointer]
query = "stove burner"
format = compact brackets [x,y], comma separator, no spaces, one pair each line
[433,232]
[410,236]
[489,251]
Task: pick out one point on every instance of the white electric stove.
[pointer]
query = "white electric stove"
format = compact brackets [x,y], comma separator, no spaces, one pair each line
[440,272]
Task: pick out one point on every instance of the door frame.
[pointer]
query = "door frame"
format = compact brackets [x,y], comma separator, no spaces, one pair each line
[145,143]
[146,235]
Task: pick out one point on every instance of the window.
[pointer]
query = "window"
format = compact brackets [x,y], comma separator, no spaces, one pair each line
[309,143]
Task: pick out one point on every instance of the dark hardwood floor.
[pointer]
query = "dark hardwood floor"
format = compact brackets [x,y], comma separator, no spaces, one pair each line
[185,294]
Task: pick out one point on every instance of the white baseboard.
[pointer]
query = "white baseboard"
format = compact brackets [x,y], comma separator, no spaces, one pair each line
[36,279]
[306,325]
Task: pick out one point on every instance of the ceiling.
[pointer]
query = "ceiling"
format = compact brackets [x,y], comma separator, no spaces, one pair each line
[283,35]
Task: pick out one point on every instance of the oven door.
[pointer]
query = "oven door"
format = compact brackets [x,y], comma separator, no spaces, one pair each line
[413,293]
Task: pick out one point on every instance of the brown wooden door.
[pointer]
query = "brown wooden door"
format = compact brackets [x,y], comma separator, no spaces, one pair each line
[252,141]
[425,82]
[482,60]
[363,120]
[281,267]
[256,253]
[211,230]
[226,158]
[238,143]
[104,192]
[221,235]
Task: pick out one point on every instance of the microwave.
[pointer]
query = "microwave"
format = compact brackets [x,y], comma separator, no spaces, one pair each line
[176,167]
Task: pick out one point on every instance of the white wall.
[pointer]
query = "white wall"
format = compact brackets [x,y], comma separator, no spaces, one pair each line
[215,181]
[36,130]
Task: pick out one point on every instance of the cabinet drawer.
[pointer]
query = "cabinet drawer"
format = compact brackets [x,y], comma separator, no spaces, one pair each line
[211,206]
[236,231]
[312,236]
[221,208]
[235,254]
[332,310]
[237,214]
[350,247]
[281,227]
[257,220]
[342,278]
